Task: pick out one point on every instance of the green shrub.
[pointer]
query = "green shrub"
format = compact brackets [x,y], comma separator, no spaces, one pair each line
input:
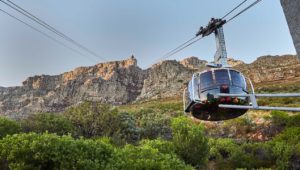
[294,121]
[289,136]
[190,141]
[239,126]
[49,151]
[285,146]
[166,147]
[47,122]
[127,128]
[229,155]
[254,156]
[153,124]
[91,119]
[147,157]
[8,127]
[95,120]
[279,118]
[221,149]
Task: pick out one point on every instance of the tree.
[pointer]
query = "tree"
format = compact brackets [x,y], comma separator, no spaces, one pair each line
[127,128]
[190,141]
[8,127]
[50,122]
[97,120]
[92,119]
[154,124]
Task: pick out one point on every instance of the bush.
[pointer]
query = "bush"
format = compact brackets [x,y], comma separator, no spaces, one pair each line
[190,141]
[95,120]
[285,146]
[289,136]
[166,147]
[279,118]
[49,151]
[127,128]
[147,157]
[221,149]
[90,119]
[8,127]
[229,155]
[154,125]
[253,156]
[47,122]
[294,121]
[239,126]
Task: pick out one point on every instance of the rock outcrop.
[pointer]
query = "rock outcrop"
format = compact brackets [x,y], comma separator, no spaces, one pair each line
[194,63]
[271,68]
[291,10]
[122,82]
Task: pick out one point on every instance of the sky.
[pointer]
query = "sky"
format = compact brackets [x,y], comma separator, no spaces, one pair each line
[147,29]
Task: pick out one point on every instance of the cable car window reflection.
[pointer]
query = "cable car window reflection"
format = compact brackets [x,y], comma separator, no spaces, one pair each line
[237,79]
[206,80]
[196,87]
[222,77]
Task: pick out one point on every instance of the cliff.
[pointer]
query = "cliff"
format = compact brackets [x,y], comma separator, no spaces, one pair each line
[117,82]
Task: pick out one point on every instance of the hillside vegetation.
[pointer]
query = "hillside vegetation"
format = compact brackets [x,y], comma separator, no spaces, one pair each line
[152,135]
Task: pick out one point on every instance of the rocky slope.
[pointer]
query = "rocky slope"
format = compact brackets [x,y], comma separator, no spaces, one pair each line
[123,82]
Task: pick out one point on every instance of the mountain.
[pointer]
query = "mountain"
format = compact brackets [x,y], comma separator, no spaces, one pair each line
[272,68]
[122,82]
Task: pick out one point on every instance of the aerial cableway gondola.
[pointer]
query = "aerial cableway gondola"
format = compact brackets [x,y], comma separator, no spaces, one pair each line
[220,92]
[202,98]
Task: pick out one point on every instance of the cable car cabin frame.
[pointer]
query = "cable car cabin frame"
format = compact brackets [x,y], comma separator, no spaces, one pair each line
[202,98]
[220,92]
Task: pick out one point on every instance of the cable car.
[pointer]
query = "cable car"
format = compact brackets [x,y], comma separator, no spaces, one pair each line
[202,100]
[220,92]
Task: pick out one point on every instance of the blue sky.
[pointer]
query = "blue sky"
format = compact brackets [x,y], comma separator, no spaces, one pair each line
[116,29]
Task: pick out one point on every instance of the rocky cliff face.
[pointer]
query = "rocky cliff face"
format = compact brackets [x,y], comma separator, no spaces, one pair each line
[271,68]
[114,82]
[165,79]
[291,10]
[122,82]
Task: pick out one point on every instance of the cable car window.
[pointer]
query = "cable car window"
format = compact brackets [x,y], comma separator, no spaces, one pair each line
[196,86]
[222,77]
[206,80]
[190,90]
[237,79]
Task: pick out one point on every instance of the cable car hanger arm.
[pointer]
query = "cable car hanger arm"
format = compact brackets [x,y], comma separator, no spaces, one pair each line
[255,105]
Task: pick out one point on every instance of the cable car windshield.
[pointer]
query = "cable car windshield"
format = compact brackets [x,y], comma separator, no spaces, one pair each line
[206,80]
[222,77]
